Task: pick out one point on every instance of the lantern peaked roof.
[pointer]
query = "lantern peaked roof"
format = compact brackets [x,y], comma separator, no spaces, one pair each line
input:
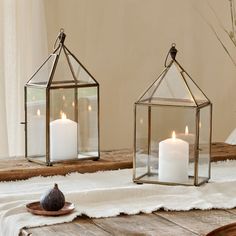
[174,87]
[61,69]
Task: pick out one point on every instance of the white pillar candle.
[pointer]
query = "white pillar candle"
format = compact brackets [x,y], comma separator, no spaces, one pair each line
[36,134]
[186,136]
[173,160]
[63,139]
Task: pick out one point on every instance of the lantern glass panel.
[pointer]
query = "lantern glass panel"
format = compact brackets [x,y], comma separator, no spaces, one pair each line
[197,93]
[42,75]
[63,74]
[62,101]
[82,75]
[80,106]
[141,141]
[36,122]
[204,143]
[70,71]
[174,87]
[163,121]
[88,121]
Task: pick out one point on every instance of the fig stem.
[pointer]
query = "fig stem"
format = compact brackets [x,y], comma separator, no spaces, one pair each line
[55,186]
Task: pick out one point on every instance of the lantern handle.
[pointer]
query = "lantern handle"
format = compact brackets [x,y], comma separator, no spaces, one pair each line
[172,52]
[60,39]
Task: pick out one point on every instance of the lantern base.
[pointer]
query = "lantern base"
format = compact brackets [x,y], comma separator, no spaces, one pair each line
[152,178]
[42,160]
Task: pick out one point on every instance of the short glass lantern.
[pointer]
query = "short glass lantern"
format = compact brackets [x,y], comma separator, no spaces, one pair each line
[61,110]
[172,106]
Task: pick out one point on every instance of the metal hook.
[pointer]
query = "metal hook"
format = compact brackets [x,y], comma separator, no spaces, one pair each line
[172,52]
[60,38]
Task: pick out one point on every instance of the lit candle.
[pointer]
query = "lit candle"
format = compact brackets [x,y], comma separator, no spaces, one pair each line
[36,134]
[173,160]
[63,139]
[186,136]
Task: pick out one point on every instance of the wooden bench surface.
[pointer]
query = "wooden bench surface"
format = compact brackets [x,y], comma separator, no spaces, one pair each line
[20,168]
[166,223]
[160,223]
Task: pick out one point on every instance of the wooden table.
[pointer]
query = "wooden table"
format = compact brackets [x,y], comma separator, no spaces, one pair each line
[20,168]
[159,223]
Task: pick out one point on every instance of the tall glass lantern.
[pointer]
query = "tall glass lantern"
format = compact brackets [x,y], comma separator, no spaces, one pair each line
[172,133]
[61,110]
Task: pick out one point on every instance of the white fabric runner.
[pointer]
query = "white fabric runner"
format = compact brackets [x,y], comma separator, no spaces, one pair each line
[110,193]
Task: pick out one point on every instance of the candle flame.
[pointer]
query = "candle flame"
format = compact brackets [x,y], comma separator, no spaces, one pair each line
[186,130]
[73,104]
[200,124]
[38,112]
[89,108]
[173,135]
[63,98]
[141,121]
[63,116]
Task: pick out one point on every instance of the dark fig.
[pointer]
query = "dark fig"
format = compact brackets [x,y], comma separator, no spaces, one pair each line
[53,199]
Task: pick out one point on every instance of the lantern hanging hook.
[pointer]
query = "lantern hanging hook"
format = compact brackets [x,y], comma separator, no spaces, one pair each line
[60,39]
[172,52]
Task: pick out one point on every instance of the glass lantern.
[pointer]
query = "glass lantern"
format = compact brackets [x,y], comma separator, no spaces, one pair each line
[172,133]
[61,110]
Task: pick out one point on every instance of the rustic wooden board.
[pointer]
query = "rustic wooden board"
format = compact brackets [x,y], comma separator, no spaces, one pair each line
[83,226]
[20,168]
[142,224]
[233,211]
[223,151]
[160,223]
[199,222]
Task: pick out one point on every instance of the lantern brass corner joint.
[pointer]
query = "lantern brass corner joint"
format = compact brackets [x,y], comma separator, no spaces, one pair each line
[61,103]
[172,129]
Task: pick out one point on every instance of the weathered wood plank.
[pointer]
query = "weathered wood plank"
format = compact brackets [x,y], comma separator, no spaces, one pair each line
[142,224]
[223,151]
[20,168]
[233,211]
[83,226]
[197,221]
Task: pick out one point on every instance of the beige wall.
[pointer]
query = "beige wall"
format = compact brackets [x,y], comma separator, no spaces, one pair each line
[123,43]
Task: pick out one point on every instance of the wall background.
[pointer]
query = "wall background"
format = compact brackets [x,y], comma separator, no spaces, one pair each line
[123,43]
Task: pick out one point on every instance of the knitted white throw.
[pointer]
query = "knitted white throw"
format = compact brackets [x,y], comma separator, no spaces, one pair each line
[110,193]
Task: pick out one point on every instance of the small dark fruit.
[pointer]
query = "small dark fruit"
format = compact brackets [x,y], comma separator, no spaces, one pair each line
[53,199]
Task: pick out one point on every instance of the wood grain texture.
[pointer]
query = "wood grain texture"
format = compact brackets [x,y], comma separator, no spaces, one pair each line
[83,226]
[142,224]
[223,151]
[160,223]
[197,221]
[20,168]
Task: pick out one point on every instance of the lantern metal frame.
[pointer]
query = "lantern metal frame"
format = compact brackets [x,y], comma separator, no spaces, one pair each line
[149,105]
[60,47]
